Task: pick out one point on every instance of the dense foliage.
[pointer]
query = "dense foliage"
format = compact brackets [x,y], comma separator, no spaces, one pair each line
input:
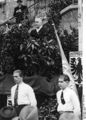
[48,109]
[69,41]
[34,56]
[19,50]
[55,6]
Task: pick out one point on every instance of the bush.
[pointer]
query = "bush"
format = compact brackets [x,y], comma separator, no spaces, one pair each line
[35,56]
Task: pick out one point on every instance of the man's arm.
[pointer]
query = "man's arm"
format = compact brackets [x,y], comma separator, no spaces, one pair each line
[32,97]
[76,103]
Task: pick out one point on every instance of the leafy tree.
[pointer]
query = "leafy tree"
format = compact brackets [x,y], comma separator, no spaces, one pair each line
[20,50]
[69,41]
[35,56]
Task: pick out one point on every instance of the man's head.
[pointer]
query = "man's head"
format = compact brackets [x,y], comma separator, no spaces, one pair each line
[18,76]
[19,2]
[38,22]
[63,81]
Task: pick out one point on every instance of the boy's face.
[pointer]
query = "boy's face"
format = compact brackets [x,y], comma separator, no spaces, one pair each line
[17,78]
[62,84]
[38,22]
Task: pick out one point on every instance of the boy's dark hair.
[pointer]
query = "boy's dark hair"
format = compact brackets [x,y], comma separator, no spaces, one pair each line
[66,77]
[20,72]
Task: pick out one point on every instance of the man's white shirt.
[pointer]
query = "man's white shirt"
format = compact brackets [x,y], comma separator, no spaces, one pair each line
[26,95]
[71,101]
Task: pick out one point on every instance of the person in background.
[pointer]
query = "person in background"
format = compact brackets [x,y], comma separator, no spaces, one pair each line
[23,98]
[36,30]
[20,12]
[41,29]
[67,100]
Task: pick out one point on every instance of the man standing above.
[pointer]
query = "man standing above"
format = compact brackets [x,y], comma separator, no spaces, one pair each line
[23,98]
[37,31]
[20,12]
[67,99]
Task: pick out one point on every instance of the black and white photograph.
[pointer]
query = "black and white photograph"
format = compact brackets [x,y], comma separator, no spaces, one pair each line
[41,60]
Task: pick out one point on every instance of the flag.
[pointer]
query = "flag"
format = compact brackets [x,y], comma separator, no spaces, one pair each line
[65,65]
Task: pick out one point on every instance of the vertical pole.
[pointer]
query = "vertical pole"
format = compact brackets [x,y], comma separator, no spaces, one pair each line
[80,24]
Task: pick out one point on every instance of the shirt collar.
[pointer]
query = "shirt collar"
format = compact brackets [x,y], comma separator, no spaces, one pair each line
[65,89]
[20,83]
[39,28]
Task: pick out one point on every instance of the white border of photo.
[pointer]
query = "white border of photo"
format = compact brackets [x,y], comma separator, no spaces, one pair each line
[84,59]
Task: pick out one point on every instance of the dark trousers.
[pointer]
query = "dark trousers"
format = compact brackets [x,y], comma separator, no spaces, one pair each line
[19,108]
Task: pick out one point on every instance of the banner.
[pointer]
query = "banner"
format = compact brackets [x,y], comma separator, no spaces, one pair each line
[65,65]
[75,61]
